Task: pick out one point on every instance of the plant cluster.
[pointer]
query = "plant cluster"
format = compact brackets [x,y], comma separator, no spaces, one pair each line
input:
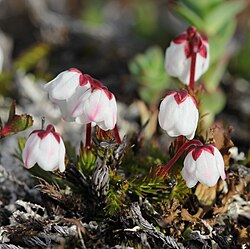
[128,191]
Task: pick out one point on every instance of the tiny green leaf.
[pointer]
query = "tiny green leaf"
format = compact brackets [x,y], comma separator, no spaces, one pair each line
[148,70]
[223,13]
[190,16]
[15,123]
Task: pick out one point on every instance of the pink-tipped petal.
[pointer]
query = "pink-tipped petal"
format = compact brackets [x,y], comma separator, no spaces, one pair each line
[96,105]
[179,53]
[46,148]
[178,116]
[29,158]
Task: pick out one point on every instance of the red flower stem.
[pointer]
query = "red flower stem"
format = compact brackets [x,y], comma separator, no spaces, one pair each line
[180,140]
[88,136]
[117,136]
[192,71]
[179,153]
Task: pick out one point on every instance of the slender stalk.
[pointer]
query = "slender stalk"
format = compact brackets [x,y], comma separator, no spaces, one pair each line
[42,123]
[180,141]
[117,136]
[179,153]
[88,136]
[192,71]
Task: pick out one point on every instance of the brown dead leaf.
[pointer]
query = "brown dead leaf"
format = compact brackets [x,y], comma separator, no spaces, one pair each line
[149,116]
[169,219]
[243,234]
[225,201]
[171,214]
[221,138]
[188,217]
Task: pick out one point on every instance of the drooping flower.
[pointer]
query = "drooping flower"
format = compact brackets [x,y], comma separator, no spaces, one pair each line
[83,99]
[66,89]
[178,114]
[97,106]
[46,148]
[178,55]
[204,164]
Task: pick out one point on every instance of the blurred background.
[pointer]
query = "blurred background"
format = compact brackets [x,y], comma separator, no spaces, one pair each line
[123,43]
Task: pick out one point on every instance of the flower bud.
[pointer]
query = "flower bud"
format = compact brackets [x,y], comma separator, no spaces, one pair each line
[178,55]
[179,114]
[204,164]
[46,148]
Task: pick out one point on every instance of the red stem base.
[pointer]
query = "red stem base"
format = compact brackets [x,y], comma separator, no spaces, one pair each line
[116,134]
[88,136]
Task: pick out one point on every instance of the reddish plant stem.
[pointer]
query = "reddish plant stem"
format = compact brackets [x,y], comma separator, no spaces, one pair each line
[116,134]
[180,141]
[192,71]
[88,136]
[179,153]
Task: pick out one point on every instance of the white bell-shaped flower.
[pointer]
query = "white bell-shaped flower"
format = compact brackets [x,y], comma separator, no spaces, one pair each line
[204,164]
[178,55]
[178,114]
[46,148]
[66,89]
[97,106]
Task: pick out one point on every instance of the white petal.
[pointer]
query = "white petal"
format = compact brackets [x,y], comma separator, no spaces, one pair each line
[111,115]
[220,163]
[48,158]
[167,110]
[63,86]
[206,170]
[190,136]
[207,60]
[188,171]
[30,151]
[61,156]
[96,105]
[190,164]
[72,107]
[77,103]
[188,118]
[83,119]
[191,181]
[175,62]
[65,109]
[102,125]
[199,67]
